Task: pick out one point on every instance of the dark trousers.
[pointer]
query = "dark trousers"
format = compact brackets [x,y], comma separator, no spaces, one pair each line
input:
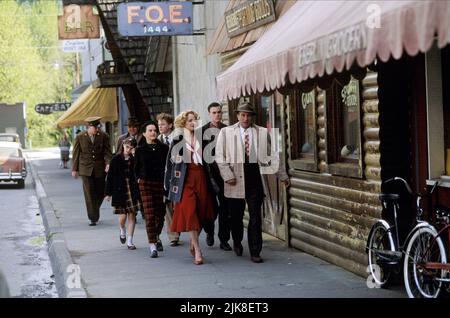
[254,196]
[223,213]
[94,189]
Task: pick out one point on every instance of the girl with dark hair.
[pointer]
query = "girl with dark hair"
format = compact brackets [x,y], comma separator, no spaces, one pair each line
[122,188]
[149,170]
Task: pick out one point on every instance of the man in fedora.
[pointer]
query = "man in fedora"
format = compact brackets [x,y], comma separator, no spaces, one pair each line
[133,131]
[91,157]
[241,154]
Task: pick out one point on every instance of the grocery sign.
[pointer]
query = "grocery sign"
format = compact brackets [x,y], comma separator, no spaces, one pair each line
[155,18]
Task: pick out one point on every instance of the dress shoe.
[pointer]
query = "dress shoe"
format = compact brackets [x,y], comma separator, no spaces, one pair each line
[174,243]
[256,259]
[92,223]
[154,254]
[238,249]
[159,246]
[209,239]
[131,247]
[225,246]
[123,239]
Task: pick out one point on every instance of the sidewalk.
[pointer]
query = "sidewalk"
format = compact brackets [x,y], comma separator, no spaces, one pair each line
[109,269]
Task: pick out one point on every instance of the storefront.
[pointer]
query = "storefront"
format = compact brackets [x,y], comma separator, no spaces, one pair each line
[350,94]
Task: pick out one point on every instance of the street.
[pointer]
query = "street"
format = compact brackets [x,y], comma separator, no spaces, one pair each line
[24,258]
[108,269]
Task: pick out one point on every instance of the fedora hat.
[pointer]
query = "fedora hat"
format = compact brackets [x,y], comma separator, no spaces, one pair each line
[246,108]
[133,122]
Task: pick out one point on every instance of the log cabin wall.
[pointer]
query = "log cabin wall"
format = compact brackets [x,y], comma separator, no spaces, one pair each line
[330,216]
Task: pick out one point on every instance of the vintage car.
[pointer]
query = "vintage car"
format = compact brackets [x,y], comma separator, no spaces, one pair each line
[9,137]
[12,163]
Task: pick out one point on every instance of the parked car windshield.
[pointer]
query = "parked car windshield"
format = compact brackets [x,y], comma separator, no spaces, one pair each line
[10,138]
[9,152]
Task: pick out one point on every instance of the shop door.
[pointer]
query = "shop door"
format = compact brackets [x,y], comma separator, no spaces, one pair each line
[269,115]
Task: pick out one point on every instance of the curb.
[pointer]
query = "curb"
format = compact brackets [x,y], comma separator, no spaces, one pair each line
[65,270]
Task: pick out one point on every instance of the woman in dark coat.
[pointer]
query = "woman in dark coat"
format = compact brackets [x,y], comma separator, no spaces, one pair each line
[122,187]
[187,182]
[149,170]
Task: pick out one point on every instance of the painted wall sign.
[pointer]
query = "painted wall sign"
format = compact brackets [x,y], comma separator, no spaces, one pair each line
[154,18]
[48,108]
[78,22]
[353,38]
[249,15]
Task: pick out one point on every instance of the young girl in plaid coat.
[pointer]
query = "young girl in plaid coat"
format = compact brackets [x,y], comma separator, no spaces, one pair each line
[122,188]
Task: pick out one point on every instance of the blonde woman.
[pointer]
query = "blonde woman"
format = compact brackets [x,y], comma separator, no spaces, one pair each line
[186,182]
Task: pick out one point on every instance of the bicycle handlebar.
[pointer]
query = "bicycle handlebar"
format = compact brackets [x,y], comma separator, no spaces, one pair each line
[404,182]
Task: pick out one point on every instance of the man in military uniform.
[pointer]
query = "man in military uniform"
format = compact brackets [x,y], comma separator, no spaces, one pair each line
[91,157]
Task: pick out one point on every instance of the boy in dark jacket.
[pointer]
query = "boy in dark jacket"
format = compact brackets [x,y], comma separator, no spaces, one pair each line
[122,188]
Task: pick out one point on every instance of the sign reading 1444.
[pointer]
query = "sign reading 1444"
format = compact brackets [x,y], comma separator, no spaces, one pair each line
[154,18]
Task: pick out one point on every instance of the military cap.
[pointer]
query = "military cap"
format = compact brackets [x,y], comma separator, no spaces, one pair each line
[93,121]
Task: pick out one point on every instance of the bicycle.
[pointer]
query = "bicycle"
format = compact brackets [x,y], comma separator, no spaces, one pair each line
[425,267]
[384,249]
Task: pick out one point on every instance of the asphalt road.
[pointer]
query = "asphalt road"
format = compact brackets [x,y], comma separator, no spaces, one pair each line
[23,249]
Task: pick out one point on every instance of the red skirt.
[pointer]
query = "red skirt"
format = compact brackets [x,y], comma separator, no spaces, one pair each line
[196,203]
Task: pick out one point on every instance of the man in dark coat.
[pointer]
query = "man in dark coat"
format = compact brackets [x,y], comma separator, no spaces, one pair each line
[133,131]
[209,133]
[91,157]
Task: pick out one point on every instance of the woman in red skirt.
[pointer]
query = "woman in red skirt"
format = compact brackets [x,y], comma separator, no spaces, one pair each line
[187,183]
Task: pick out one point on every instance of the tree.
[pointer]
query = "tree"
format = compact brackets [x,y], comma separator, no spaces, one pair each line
[32,67]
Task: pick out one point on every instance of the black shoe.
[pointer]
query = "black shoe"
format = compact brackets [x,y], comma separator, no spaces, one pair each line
[123,239]
[174,243]
[238,249]
[154,254]
[209,239]
[92,223]
[256,259]
[225,246]
[159,246]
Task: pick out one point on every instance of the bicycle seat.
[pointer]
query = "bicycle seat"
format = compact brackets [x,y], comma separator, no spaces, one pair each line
[388,197]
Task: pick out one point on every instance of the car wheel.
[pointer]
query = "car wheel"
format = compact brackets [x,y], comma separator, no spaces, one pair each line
[21,184]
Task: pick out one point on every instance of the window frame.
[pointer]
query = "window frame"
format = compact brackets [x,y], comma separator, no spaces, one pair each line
[338,165]
[296,159]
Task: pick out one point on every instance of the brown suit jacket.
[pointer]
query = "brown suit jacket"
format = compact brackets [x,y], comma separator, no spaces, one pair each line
[91,158]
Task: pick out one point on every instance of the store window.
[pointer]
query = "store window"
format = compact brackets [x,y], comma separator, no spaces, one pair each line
[303,125]
[344,128]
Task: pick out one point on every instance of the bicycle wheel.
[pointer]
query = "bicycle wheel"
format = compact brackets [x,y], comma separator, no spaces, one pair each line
[380,239]
[423,247]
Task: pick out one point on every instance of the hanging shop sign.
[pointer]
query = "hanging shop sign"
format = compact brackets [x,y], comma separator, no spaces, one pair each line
[155,18]
[249,15]
[72,46]
[78,22]
[48,108]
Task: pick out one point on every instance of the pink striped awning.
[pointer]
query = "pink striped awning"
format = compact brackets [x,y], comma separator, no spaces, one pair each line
[318,37]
